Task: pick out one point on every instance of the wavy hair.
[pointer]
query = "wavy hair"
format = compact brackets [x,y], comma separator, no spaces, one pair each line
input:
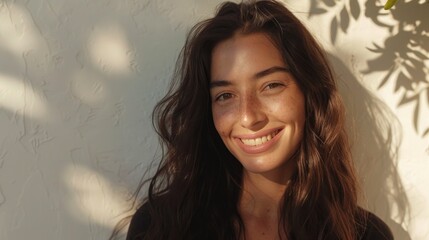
[195,191]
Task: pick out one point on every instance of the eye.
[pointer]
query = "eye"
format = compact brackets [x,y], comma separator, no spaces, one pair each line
[273,85]
[223,97]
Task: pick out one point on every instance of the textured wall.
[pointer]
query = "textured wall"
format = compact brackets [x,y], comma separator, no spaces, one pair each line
[79,79]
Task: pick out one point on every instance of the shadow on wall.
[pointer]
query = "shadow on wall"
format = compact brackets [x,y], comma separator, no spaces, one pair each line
[403,55]
[65,145]
[78,80]
[375,136]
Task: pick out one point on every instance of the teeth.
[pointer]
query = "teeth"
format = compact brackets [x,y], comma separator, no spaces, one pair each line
[259,141]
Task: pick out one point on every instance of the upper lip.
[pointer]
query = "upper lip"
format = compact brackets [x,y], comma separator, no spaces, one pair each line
[259,134]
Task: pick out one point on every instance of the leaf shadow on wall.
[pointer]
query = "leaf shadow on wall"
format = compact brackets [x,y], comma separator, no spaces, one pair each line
[402,55]
[375,135]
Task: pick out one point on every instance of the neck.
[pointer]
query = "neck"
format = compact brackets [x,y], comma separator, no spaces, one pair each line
[261,196]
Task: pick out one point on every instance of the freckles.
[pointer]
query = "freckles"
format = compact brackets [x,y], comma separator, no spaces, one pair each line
[286,106]
[225,112]
[276,105]
[223,118]
[223,133]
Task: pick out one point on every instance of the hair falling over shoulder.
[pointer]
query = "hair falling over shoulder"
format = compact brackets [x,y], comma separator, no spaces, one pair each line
[194,193]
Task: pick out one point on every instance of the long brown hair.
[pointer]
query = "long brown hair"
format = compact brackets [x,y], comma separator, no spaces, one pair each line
[194,193]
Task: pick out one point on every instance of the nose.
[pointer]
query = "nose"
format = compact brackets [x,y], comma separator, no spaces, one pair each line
[252,115]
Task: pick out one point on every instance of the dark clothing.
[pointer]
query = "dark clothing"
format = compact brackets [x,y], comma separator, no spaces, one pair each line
[375,229]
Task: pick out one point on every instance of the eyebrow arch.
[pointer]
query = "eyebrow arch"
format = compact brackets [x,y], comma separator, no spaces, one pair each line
[269,71]
[261,74]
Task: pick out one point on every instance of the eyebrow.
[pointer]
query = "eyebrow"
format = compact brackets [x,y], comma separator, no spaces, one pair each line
[261,74]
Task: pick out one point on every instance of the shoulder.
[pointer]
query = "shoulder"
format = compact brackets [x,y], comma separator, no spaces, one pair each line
[376,229]
[139,223]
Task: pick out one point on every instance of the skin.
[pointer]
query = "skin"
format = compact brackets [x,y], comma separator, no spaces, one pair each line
[253,95]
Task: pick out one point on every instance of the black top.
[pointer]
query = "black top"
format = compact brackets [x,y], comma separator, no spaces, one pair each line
[375,229]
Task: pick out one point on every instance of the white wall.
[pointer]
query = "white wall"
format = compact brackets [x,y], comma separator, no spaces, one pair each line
[79,79]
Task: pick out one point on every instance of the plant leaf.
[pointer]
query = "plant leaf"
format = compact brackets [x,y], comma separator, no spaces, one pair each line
[389,4]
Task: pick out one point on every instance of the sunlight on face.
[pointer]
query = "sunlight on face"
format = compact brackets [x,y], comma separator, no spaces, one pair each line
[258,108]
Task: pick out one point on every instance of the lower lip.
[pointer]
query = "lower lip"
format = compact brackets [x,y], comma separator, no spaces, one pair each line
[261,147]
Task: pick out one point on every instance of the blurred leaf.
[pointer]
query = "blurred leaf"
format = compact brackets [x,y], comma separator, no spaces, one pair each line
[344,19]
[372,10]
[317,11]
[382,63]
[409,63]
[389,4]
[329,3]
[403,81]
[313,4]
[355,8]
[406,48]
[334,29]
[416,115]
[406,99]
[377,49]
[415,69]
[420,55]
[426,132]
[427,94]
[424,43]
[386,78]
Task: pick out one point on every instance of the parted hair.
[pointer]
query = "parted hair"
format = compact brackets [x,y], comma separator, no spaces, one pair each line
[195,190]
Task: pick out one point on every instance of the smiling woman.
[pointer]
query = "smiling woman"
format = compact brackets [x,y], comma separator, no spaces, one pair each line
[258,110]
[254,137]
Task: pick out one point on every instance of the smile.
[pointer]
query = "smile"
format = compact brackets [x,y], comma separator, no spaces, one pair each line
[259,140]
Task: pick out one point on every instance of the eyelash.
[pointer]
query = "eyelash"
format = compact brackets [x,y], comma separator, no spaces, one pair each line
[225,96]
[219,98]
[275,84]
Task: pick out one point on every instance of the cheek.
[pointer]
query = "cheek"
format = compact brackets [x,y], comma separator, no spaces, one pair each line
[223,119]
[274,105]
[299,108]
[288,108]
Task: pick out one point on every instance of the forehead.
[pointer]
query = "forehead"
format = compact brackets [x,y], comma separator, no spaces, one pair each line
[244,55]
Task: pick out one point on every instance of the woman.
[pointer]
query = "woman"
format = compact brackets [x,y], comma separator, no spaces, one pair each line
[254,137]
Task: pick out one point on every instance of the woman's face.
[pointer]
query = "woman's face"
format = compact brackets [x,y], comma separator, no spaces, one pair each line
[257,106]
